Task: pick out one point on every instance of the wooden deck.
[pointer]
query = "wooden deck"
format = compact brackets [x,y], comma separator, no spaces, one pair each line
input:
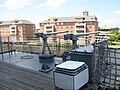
[13,77]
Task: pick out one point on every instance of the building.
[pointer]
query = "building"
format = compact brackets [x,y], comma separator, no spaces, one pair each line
[16,29]
[104,31]
[75,25]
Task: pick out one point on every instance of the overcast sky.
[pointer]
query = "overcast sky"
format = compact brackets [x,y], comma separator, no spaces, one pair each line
[107,11]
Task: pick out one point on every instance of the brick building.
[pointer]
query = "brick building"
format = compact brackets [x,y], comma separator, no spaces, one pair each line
[77,24]
[17,28]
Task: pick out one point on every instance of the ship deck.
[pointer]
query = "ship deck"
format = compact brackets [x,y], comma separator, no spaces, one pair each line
[14,77]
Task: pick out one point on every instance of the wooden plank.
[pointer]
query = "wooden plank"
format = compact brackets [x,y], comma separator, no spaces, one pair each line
[13,77]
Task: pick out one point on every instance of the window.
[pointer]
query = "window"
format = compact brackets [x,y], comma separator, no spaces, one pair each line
[23,28]
[78,18]
[67,27]
[12,27]
[79,27]
[19,28]
[83,18]
[61,23]
[13,31]
[90,22]
[57,23]
[49,27]
[16,21]
[23,32]
[79,31]
[49,31]
[90,26]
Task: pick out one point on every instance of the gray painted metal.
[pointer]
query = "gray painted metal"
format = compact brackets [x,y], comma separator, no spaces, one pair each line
[106,63]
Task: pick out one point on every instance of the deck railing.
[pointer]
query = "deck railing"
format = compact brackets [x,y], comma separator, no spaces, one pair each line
[56,43]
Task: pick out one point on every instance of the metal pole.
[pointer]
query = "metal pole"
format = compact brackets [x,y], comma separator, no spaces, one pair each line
[59,42]
[1,45]
[8,44]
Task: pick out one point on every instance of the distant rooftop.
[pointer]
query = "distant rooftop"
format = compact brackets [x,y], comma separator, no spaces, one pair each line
[15,22]
[73,19]
[85,10]
[105,27]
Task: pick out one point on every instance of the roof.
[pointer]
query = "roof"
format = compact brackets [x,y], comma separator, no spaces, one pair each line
[65,19]
[105,27]
[85,11]
[15,22]
[71,19]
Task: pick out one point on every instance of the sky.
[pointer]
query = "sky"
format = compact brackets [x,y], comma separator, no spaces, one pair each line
[107,11]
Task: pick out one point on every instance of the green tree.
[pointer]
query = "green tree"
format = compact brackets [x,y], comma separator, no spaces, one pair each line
[115,30]
[112,37]
[118,36]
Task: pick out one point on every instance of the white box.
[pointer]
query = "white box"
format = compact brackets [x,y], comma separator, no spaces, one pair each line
[71,75]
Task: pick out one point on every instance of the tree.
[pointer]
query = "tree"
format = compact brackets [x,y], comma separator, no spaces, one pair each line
[115,30]
[116,35]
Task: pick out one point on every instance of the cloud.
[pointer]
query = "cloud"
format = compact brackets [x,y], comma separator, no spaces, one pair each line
[1,5]
[51,4]
[15,4]
[116,12]
[110,23]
